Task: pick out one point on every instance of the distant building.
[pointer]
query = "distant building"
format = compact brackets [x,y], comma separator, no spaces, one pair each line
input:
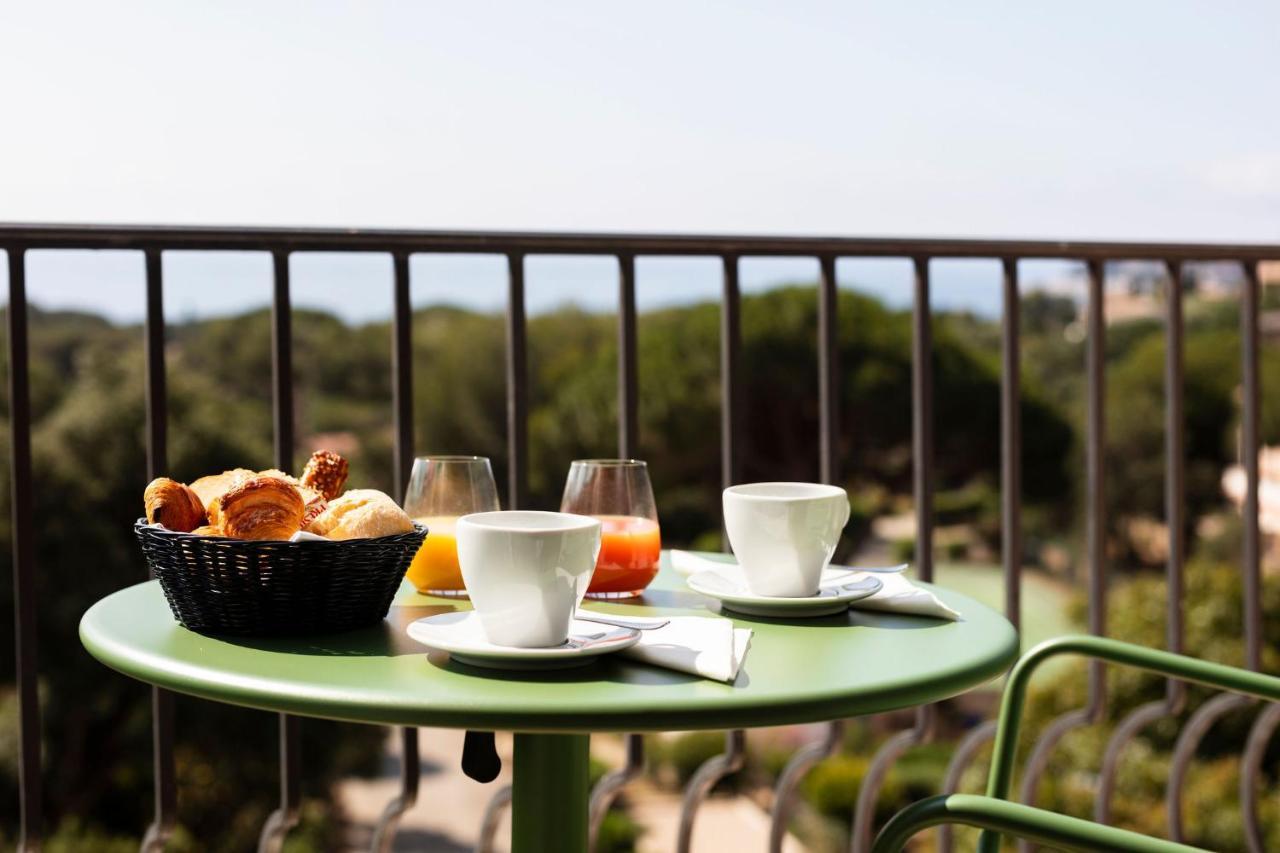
[1135,290]
[1234,482]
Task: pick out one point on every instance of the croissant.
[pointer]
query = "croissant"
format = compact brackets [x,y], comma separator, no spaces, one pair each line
[208,530]
[260,508]
[326,473]
[173,505]
[313,503]
[214,486]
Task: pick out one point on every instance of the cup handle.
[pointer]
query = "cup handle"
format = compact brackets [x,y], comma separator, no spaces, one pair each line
[480,759]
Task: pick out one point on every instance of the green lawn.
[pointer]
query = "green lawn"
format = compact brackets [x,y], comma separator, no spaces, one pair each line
[1044,599]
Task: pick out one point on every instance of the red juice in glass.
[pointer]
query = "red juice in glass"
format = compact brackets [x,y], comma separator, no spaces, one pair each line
[618,493]
[629,552]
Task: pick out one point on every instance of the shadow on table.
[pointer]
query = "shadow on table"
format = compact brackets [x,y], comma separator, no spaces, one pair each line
[386,639]
[683,599]
[847,619]
[606,668]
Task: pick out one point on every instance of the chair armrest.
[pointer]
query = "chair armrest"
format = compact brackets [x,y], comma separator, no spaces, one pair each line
[1181,667]
[1029,822]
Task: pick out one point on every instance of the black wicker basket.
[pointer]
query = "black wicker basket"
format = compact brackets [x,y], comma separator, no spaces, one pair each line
[233,586]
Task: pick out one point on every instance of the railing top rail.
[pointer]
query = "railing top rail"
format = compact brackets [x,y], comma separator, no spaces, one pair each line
[71,236]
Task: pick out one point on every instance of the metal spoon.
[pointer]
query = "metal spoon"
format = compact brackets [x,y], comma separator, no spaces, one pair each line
[888,570]
[639,623]
[872,570]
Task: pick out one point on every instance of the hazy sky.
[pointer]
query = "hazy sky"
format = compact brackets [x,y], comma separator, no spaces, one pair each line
[1151,120]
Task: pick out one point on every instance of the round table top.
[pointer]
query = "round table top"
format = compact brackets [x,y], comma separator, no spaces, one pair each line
[797,671]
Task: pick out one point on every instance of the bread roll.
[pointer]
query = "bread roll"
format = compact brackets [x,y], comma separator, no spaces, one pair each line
[173,505]
[326,472]
[361,514]
[260,508]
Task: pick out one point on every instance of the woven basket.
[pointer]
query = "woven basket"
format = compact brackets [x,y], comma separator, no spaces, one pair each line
[233,586]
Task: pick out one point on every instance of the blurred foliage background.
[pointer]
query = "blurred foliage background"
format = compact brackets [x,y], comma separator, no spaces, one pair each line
[87,397]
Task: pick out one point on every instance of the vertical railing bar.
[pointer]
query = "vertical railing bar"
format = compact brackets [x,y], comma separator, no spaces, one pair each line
[1095,452]
[282,362]
[1198,725]
[517,368]
[156,385]
[922,418]
[731,383]
[31,829]
[1175,691]
[607,789]
[1011,444]
[1260,733]
[1010,509]
[162,733]
[286,816]
[1249,441]
[923,484]
[1095,535]
[628,381]
[828,372]
[802,762]
[517,385]
[1175,474]
[730,761]
[402,372]
[402,453]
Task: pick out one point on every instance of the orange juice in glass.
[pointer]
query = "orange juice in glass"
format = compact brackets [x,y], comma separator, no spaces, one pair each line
[442,488]
[618,493]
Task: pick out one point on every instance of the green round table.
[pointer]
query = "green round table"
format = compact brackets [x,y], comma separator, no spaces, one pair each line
[797,671]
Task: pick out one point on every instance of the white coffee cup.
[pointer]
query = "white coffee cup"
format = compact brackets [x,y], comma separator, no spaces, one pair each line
[784,534]
[526,572]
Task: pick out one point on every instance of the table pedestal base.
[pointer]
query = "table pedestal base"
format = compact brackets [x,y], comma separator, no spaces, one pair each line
[549,794]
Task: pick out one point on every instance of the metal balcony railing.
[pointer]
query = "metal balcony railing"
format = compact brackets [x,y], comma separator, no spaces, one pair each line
[15,240]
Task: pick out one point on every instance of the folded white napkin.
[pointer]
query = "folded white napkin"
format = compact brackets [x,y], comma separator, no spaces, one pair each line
[707,646]
[897,594]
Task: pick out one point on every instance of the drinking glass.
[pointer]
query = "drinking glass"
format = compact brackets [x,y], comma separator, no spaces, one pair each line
[618,493]
[442,488]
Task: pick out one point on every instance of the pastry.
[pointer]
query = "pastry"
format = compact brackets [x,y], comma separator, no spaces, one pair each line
[260,508]
[173,505]
[207,530]
[326,472]
[313,503]
[361,514]
[216,485]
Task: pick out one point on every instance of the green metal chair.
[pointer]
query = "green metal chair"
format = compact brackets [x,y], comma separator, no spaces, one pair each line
[995,814]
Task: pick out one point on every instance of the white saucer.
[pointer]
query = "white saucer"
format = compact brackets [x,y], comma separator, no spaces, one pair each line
[459,633]
[732,592]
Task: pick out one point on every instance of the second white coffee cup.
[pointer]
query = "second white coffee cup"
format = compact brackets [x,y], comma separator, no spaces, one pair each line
[526,572]
[784,534]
